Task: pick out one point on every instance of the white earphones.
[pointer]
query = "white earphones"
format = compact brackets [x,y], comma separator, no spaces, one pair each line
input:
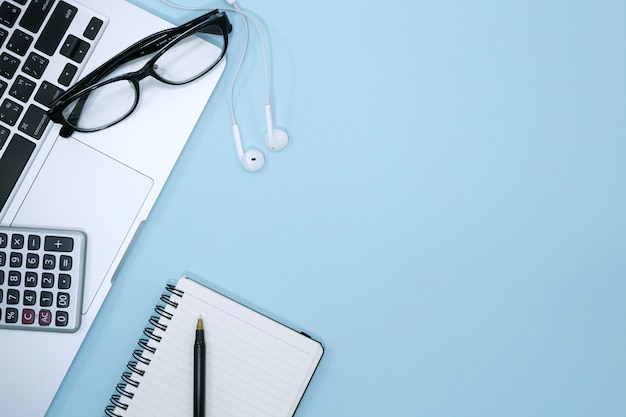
[275,139]
[251,159]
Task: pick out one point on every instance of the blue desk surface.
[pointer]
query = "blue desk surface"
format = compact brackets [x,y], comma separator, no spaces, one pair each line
[449,216]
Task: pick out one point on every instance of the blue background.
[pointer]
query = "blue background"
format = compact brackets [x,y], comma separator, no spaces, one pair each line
[449,216]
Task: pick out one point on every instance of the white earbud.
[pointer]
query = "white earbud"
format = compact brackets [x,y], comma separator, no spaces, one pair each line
[251,159]
[275,139]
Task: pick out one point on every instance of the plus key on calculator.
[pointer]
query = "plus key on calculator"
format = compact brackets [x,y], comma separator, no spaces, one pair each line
[41,279]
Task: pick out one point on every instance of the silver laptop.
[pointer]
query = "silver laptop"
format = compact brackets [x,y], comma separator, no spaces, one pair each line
[103,183]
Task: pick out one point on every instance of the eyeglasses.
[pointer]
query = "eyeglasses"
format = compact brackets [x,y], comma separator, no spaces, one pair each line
[183,54]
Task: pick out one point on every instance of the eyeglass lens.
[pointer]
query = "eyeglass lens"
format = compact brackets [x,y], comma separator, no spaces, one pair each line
[111,102]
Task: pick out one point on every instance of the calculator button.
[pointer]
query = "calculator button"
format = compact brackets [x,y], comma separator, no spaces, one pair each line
[45,317]
[13,297]
[30,280]
[34,242]
[17,241]
[47,280]
[65,263]
[64,300]
[32,261]
[30,298]
[58,244]
[46,299]
[62,318]
[15,279]
[28,316]
[49,261]
[3,240]
[16,260]
[11,315]
[65,281]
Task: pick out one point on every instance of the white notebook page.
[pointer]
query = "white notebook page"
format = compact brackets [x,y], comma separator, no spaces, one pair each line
[255,366]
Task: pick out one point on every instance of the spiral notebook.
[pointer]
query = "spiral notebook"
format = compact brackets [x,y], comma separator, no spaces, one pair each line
[255,366]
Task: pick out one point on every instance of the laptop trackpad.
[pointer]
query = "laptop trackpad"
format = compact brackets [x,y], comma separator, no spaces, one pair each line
[81,188]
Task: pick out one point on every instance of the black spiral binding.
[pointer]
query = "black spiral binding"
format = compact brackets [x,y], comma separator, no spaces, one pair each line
[131,378]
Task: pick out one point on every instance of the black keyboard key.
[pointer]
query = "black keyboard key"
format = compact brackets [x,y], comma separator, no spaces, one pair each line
[22,88]
[22,2]
[12,163]
[4,137]
[35,14]
[8,65]
[68,74]
[35,65]
[47,93]
[3,36]
[3,87]
[8,14]
[54,31]
[75,49]
[34,122]
[19,42]
[10,112]
[93,28]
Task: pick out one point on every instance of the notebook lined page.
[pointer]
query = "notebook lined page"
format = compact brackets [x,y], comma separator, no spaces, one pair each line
[255,366]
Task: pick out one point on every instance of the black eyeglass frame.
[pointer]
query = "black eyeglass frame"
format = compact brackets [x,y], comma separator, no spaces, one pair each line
[214,22]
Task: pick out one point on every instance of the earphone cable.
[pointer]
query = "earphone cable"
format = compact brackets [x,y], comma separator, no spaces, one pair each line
[245,16]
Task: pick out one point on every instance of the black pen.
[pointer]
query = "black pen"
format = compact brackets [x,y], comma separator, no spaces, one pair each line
[198,370]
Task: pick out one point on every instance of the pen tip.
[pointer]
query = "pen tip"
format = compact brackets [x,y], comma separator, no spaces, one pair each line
[200,325]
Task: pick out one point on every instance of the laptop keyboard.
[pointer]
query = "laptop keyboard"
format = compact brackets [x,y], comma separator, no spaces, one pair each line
[44,45]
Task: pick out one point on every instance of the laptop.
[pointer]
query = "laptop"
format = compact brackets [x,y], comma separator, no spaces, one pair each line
[103,183]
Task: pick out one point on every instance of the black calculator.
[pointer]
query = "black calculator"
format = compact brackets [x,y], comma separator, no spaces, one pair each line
[41,278]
